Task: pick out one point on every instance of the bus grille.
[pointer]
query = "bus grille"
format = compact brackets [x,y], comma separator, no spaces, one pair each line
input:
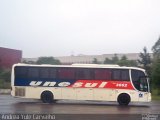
[20,92]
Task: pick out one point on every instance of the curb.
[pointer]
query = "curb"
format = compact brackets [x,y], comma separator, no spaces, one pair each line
[5,91]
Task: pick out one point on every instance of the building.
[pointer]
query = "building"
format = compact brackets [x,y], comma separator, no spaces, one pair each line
[8,57]
[87,59]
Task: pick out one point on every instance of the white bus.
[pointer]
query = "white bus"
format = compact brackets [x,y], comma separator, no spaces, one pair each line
[80,82]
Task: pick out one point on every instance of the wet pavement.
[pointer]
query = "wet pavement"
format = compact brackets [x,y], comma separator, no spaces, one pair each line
[76,109]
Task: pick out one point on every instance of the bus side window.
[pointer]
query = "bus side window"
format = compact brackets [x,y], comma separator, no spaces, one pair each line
[20,72]
[102,74]
[120,75]
[125,75]
[66,73]
[44,72]
[33,72]
[116,74]
[82,73]
[52,72]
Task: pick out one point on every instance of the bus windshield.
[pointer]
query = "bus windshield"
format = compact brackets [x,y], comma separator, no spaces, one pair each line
[139,80]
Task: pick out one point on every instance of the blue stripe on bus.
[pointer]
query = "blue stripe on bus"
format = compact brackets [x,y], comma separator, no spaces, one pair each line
[26,81]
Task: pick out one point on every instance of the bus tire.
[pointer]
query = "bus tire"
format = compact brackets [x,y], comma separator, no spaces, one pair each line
[124,99]
[47,97]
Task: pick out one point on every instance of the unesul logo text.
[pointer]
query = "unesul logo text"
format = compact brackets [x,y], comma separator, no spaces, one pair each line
[66,84]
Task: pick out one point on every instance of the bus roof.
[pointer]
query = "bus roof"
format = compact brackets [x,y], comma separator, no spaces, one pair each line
[82,66]
[103,65]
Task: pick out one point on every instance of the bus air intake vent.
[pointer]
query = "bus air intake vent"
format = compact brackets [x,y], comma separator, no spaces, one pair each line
[20,92]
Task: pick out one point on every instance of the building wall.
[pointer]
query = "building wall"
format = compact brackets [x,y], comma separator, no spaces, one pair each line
[100,58]
[89,58]
[8,57]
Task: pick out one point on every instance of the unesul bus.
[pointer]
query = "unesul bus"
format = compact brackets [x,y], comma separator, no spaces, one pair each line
[80,82]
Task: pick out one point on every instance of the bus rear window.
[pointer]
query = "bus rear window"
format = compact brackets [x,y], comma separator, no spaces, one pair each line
[21,72]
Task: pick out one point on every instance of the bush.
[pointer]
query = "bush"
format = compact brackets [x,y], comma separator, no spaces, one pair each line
[5,76]
[4,85]
[155,94]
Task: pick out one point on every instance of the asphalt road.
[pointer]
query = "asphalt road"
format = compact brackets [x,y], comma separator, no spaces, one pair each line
[86,110]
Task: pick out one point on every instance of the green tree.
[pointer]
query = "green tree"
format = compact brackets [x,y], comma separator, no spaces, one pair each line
[95,61]
[125,62]
[5,78]
[28,62]
[145,60]
[5,75]
[133,63]
[48,60]
[122,62]
[156,49]
[108,61]
[115,59]
[156,72]
[156,66]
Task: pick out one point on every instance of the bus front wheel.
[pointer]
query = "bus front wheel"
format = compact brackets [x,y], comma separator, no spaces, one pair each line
[47,97]
[123,99]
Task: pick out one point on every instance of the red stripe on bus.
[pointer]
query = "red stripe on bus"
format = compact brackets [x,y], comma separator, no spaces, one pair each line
[102,84]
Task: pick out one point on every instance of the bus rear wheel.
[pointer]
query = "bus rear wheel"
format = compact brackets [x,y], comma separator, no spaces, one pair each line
[47,97]
[123,99]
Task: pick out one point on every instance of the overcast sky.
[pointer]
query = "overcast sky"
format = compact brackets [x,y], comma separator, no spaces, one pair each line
[90,27]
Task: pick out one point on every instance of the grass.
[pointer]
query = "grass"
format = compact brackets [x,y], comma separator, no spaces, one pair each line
[4,85]
[156,94]
[156,97]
